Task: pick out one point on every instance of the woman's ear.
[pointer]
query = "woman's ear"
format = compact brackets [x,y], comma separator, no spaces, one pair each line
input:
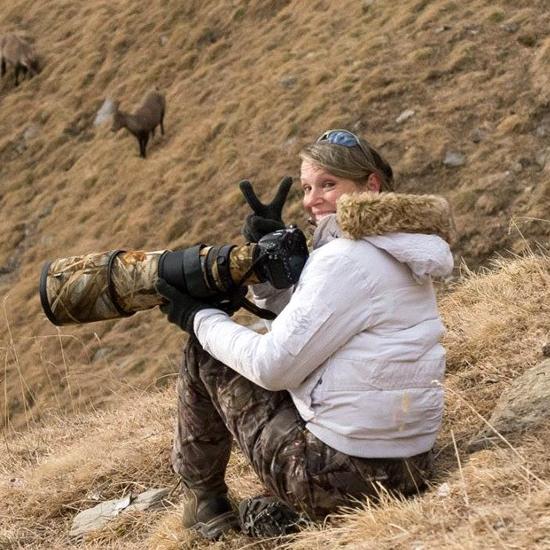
[374,183]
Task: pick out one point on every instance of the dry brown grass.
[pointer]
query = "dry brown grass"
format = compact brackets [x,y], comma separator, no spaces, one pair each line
[494,498]
[498,325]
[246,86]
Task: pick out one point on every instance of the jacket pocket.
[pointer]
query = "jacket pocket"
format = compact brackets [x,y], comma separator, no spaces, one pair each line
[302,325]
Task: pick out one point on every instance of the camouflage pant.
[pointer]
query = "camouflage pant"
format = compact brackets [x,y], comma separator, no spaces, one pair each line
[217,405]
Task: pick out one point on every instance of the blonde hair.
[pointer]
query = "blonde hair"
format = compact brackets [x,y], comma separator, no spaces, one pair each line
[356,163]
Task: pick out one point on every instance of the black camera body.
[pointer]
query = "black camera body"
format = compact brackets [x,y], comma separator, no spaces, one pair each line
[283,255]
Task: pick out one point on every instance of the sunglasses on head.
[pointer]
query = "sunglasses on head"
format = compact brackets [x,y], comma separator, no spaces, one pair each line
[344,138]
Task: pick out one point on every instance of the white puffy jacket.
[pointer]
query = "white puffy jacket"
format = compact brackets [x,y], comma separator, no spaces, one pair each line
[357,345]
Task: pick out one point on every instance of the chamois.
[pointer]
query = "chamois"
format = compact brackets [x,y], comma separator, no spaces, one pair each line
[144,121]
[18,52]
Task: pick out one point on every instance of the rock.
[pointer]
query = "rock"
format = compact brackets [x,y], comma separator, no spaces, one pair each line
[541,157]
[517,167]
[31,132]
[443,29]
[151,499]
[479,134]
[288,81]
[16,482]
[520,408]
[105,112]
[546,349]
[404,116]
[444,490]
[97,517]
[543,129]
[510,27]
[100,353]
[454,159]
[163,40]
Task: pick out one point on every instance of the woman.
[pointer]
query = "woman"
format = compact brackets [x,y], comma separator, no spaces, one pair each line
[337,399]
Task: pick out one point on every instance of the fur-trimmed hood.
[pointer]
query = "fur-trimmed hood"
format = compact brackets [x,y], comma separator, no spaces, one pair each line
[363,214]
[414,229]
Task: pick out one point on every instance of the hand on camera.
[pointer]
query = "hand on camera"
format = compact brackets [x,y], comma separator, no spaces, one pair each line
[230,302]
[181,308]
[265,218]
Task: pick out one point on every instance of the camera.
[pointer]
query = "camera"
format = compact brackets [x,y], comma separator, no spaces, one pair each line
[118,283]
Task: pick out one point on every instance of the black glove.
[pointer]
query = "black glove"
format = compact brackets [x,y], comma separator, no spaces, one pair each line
[266,218]
[182,308]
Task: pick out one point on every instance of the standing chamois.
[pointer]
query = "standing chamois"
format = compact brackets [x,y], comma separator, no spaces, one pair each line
[144,121]
[17,52]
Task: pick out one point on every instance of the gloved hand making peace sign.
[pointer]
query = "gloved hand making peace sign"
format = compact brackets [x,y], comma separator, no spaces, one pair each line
[266,218]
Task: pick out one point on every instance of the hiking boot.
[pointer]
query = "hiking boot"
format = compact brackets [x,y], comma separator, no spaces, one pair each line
[267,517]
[210,514]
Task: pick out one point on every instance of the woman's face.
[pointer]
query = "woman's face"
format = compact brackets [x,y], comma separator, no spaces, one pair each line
[322,189]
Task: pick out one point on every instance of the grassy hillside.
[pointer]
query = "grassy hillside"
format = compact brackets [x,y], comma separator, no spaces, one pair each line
[247,84]
[493,498]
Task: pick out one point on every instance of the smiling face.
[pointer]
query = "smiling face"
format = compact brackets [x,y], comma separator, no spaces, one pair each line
[322,189]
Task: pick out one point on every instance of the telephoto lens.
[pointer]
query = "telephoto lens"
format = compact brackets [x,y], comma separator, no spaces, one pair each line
[100,286]
[118,283]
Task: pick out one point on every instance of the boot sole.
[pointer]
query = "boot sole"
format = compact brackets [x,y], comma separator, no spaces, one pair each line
[269,519]
[217,526]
